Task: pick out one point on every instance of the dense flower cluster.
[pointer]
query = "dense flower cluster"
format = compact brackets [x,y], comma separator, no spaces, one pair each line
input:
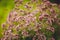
[32,20]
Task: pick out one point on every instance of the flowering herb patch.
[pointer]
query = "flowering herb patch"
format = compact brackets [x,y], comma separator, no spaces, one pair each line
[32,20]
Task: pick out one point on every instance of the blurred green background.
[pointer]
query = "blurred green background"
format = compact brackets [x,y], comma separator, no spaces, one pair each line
[5,7]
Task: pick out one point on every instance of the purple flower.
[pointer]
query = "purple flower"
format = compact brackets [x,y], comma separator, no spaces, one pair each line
[51,29]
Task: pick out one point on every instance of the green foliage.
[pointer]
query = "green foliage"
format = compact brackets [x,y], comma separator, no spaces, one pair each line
[57,32]
[5,7]
[52,1]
